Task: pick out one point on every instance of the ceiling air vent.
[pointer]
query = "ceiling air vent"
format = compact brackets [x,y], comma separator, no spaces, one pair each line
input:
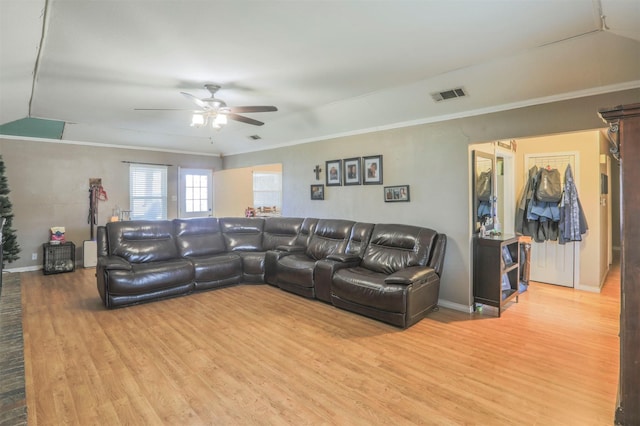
[449,94]
[255,137]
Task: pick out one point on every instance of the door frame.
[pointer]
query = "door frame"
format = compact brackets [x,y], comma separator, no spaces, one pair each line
[576,177]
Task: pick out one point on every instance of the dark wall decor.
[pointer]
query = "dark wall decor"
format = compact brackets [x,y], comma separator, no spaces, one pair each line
[333,170]
[372,170]
[317,192]
[352,171]
[397,193]
[624,136]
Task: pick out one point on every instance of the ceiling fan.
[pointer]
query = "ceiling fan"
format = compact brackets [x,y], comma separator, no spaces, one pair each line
[216,111]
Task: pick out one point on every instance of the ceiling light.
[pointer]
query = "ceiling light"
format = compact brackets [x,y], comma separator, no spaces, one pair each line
[197,120]
[220,120]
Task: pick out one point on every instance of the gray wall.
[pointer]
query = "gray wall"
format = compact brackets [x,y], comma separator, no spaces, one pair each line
[434,160]
[49,183]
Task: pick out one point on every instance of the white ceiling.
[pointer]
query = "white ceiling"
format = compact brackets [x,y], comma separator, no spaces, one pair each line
[331,67]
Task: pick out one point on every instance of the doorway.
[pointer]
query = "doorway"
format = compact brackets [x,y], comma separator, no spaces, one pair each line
[551,262]
[589,260]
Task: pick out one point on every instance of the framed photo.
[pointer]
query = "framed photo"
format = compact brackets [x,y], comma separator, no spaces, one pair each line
[372,166]
[506,256]
[317,192]
[398,193]
[334,172]
[352,171]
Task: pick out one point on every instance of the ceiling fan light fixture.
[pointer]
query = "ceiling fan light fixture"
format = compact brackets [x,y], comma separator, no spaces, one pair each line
[218,113]
[221,119]
[197,120]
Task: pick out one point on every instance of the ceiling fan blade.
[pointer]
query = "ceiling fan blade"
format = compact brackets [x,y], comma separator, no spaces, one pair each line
[162,109]
[195,100]
[244,119]
[253,109]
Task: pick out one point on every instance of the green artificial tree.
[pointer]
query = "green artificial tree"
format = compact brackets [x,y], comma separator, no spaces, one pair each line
[10,248]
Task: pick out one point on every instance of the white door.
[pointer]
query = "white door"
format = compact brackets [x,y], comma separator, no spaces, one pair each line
[551,262]
[195,195]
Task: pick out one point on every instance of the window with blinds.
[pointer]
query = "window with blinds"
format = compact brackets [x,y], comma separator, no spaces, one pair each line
[148,191]
[267,191]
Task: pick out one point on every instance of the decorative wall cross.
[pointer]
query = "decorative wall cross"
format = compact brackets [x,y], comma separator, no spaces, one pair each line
[317,171]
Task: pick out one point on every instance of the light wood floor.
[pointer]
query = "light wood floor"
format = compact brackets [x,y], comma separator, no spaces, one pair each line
[257,355]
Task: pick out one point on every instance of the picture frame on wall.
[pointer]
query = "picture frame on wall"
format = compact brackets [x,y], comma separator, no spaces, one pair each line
[372,170]
[317,192]
[334,172]
[351,171]
[398,193]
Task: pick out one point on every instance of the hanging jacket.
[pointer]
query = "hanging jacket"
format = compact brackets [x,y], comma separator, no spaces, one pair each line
[535,218]
[523,225]
[573,223]
[484,210]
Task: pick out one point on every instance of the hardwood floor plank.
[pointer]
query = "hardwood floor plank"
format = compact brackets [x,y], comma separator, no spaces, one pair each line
[254,354]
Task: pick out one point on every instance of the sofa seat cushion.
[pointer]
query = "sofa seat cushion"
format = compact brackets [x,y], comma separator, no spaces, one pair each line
[218,267]
[367,288]
[151,276]
[296,269]
[252,262]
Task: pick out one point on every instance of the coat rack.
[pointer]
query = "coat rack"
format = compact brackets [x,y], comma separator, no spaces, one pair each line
[96,194]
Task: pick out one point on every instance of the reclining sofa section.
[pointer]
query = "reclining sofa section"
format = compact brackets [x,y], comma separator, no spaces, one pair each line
[384,271]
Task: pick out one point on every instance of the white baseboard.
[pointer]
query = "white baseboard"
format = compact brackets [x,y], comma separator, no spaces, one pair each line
[24,269]
[589,288]
[455,306]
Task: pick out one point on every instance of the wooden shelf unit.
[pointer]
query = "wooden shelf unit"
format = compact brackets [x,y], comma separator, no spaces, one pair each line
[496,271]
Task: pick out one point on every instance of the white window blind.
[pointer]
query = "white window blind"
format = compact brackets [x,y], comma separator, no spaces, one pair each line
[267,190]
[148,191]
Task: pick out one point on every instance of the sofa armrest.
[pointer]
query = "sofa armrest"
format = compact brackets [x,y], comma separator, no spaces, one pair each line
[437,256]
[271,258]
[113,263]
[345,258]
[324,271]
[411,275]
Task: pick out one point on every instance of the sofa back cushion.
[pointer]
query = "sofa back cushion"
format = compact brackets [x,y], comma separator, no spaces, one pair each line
[359,238]
[330,236]
[280,231]
[199,236]
[242,233]
[306,231]
[394,247]
[141,241]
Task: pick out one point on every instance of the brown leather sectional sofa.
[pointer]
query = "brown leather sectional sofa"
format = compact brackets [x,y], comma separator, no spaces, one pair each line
[388,272]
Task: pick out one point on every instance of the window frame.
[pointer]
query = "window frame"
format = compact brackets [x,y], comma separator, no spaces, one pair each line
[147,183]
